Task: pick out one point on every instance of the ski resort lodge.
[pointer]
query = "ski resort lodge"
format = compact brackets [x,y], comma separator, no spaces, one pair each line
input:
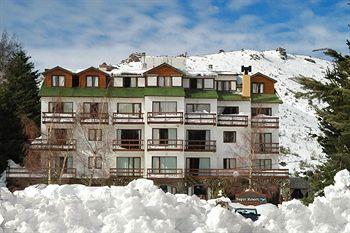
[193,132]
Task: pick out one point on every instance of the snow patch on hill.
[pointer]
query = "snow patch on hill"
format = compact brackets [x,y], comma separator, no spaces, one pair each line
[142,207]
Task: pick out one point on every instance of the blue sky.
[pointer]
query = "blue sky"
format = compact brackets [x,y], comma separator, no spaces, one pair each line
[82,33]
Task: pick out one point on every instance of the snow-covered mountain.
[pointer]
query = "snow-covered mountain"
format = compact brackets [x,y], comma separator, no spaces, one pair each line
[297,120]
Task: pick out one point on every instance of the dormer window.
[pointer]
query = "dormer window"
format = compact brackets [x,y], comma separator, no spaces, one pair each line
[129,82]
[58,81]
[164,81]
[223,85]
[258,88]
[92,81]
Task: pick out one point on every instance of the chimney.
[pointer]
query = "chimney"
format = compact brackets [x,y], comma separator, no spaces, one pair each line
[246,92]
[143,60]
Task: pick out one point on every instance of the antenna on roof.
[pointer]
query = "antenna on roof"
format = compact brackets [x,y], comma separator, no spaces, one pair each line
[246,69]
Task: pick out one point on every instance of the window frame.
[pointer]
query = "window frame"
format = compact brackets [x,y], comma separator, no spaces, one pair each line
[195,104]
[93,78]
[159,158]
[263,162]
[164,78]
[159,102]
[225,137]
[221,83]
[95,162]
[97,135]
[255,111]
[136,83]
[62,107]
[260,90]
[227,163]
[133,107]
[58,81]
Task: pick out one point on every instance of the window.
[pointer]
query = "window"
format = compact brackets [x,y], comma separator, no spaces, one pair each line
[164,81]
[163,164]
[60,107]
[258,88]
[229,136]
[203,108]
[92,81]
[208,83]
[128,162]
[263,163]
[95,135]
[228,110]
[261,111]
[164,106]
[129,82]
[164,134]
[58,81]
[263,138]
[197,163]
[129,108]
[223,85]
[230,163]
[95,107]
[94,162]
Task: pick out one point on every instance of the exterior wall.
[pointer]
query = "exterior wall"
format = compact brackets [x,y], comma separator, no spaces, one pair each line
[268,83]
[91,72]
[58,71]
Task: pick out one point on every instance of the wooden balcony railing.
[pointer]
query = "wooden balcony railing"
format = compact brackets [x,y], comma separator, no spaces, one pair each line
[232,120]
[127,144]
[164,173]
[94,118]
[237,172]
[127,118]
[164,144]
[58,118]
[165,117]
[200,145]
[53,144]
[200,118]
[21,172]
[129,172]
[265,122]
[266,148]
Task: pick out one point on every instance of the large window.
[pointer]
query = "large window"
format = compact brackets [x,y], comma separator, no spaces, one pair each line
[228,110]
[95,134]
[95,162]
[92,81]
[164,164]
[263,138]
[129,82]
[230,163]
[164,106]
[223,85]
[129,162]
[263,164]
[164,134]
[95,107]
[129,108]
[60,107]
[164,81]
[58,81]
[261,111]
[258,88]
[229,136]
[201,108]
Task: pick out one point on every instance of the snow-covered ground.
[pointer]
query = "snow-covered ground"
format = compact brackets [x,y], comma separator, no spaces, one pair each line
[297,119]
[142,207]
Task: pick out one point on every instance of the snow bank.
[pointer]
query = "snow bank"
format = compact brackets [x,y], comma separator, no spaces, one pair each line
[142,207]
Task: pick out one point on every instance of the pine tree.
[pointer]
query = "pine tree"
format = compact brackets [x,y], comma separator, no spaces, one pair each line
[334,118]
[18,100]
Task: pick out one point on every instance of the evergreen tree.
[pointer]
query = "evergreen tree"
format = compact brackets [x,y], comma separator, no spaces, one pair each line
[334,118]
[19,102]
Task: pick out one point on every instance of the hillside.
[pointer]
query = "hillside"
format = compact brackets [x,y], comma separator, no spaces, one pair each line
[297,120]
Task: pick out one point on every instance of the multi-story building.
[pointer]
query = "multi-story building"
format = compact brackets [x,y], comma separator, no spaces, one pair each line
[161,123]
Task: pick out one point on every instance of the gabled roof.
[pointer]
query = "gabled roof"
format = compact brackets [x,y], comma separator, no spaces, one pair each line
[92,68]
[57,68]
[164,64]
[263,75]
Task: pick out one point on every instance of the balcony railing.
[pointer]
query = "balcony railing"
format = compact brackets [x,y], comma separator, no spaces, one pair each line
[266,148]
[237,172]
[127,118]
[165,117]
[129,172]
[58,118]
[127,144]
[164,173]
[200,145]
[232,120]
[200,118]
[265,122]
[21,172]
[94,118]
[164,144]
[53,144]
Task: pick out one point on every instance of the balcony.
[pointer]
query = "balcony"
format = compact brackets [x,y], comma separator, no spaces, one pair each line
[265,122]
[94,118]
[128,145]
[127,118]
[126,172]
[58,118]
[200,119]
[165,117]
[21,172]
[232,120]
[200,145]
[53,144]
[164,173]
[164,144]
[237,172]
[266,148]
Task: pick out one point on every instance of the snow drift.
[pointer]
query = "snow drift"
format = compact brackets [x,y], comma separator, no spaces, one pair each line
[142,207]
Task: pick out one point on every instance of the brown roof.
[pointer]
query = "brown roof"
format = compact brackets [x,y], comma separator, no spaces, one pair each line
[263,75]
[92,68]
[164,64]
[57,68]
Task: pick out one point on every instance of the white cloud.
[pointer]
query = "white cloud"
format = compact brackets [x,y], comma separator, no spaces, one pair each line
[240,4]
